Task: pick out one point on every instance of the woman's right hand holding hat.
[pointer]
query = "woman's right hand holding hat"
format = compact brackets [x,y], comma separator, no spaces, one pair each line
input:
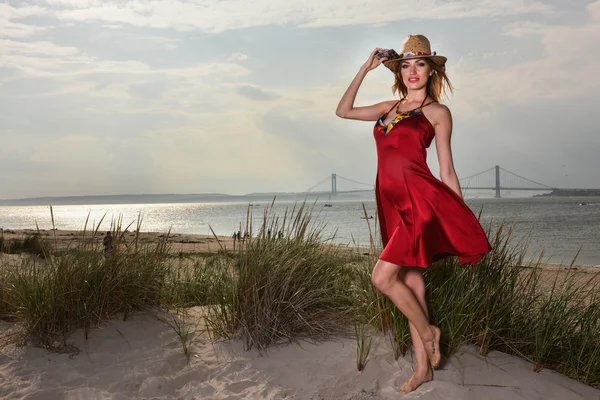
[373,62]
[346,109]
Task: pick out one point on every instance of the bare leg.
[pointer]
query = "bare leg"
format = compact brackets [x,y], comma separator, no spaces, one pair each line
[385,278]
[413,278]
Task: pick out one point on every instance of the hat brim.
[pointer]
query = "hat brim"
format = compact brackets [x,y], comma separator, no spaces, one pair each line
[393,64]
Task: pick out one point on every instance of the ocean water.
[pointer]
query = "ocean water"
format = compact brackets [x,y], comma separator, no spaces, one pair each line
[558,225]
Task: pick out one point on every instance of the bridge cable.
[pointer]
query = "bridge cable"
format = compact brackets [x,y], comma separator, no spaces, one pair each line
[479,173]
[353,181]
[529,180]
[318,184]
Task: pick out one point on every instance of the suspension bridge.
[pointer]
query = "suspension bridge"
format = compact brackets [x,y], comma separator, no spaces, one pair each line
[495,178]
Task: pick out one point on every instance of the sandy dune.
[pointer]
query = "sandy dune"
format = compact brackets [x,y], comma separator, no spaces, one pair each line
[142,359]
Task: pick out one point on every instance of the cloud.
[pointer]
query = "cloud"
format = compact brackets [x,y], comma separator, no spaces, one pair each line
[43,58]
[47,58]
[593,10]
[254,93]
[237,57]
[565,69]
[41,69]
[10,28]
[217,16]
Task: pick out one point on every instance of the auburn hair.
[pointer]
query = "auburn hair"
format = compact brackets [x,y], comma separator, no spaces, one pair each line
[437,85]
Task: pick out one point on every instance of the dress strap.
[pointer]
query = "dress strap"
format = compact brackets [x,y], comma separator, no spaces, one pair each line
[423,102]
[395,104]
[425,105]
[382,116]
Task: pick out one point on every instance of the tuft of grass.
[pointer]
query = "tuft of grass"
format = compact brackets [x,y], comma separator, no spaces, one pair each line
[187,332]
[283,289]
[6,309]
[80,288]
[362,347]
[474,304]
[32,244]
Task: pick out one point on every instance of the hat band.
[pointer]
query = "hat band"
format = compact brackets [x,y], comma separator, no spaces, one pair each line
[418,53]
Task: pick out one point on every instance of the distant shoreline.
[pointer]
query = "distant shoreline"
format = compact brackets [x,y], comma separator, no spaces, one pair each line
[570,193]
[180,198]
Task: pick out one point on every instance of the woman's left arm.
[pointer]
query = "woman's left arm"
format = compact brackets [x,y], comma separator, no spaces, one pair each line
[443,132]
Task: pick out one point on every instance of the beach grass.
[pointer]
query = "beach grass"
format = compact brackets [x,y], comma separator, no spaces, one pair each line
[30,243]
[288,282]
[363,348]
[498,305]
[187,328]
[80,287]
[284,286]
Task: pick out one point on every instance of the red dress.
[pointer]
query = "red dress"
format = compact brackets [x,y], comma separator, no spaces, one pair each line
[422,220]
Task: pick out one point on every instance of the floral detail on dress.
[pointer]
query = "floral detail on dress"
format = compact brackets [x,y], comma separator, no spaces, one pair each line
[407,114]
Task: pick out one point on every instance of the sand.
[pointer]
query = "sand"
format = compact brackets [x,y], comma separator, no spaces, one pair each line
[142,359]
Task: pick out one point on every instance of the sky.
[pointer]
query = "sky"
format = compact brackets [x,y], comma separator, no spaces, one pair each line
[103,97]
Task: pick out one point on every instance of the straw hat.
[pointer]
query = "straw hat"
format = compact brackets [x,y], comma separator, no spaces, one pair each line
[415,46]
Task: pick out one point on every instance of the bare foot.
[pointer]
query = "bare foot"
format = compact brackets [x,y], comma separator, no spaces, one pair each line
[432,347]
[417,379]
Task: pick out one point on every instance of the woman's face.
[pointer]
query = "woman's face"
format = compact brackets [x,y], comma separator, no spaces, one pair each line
[415,73]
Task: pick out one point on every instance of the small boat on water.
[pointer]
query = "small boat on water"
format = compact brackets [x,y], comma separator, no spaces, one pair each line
[328,203]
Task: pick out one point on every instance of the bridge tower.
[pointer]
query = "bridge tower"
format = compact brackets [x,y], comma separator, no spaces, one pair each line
[497,181]
[333,184]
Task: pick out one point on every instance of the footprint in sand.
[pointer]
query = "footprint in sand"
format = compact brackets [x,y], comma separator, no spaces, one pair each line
[239,387]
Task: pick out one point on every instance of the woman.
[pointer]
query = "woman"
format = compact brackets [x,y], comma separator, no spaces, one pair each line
[422,219]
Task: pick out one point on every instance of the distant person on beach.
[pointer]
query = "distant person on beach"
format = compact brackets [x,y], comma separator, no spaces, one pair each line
[422,219]
[107,242]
